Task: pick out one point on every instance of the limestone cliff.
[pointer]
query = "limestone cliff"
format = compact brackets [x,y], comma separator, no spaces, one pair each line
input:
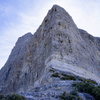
[57,44]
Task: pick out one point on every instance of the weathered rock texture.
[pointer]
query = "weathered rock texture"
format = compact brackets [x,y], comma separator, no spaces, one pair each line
[58,44]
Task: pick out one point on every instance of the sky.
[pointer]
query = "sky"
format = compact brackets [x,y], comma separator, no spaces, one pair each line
[17,17]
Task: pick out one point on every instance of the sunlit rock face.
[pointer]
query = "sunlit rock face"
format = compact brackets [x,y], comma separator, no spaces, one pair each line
[58,44]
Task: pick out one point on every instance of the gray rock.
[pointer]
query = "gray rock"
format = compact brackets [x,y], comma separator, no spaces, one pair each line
[86,96]
[57,44]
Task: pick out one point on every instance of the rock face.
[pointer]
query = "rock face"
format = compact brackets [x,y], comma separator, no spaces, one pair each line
[57,44]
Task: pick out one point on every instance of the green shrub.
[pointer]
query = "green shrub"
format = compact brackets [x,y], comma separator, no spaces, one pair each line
[65,96]
[73,97]
[55,75]
[96,92]
[90,81]
[89,88]
[83,87]
[67,77]
[86,80]
[74,92]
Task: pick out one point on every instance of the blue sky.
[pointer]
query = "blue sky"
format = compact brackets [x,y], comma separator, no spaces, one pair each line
[18,17]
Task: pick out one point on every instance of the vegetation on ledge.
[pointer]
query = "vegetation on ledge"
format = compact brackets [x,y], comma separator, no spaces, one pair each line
[65,96]
[63,76]
[88,87]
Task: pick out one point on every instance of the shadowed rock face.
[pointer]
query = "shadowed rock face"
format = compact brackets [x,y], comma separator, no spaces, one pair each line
[57,43]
